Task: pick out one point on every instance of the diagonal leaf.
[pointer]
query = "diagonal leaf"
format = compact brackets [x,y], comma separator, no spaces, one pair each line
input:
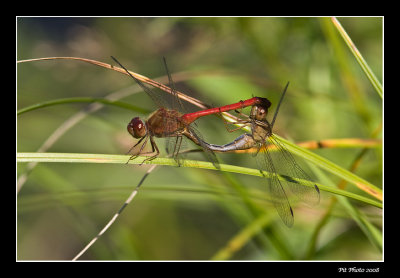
[333,168]
[360,59]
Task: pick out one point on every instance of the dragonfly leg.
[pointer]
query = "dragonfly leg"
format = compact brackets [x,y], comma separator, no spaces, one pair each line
[140,151]
[142,147]
[154,149]
[141,139]
[177,147]
[242,122]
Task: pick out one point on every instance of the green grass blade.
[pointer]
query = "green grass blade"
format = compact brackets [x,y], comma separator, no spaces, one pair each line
[241,238]
[333,168]
[373,234]
[122,159]
[329,166]
[360,59]
[81,100]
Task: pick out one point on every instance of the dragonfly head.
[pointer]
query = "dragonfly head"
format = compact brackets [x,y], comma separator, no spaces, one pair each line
[259,112]
[136,128]
[264,102]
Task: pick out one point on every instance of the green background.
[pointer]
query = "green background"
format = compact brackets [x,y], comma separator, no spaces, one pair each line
[182,213]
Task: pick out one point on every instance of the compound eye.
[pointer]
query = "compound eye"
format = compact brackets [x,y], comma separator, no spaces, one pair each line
[259,112]
[136,128]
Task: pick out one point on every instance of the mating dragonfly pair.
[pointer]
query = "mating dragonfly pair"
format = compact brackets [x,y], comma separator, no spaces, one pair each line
[169,121]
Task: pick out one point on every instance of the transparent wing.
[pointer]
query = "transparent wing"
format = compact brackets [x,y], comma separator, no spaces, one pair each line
[176,101]
[275,188]
[307,191]
[173,147]
[155,96]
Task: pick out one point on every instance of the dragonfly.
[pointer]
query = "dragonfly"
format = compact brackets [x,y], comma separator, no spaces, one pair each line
[262,138]
[168,122]
[171,122]
[261,131]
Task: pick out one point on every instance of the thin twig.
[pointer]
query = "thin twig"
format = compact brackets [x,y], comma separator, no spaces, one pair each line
[127,202]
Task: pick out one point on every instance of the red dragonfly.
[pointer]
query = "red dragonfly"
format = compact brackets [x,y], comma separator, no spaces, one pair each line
[171,122]
[263,138]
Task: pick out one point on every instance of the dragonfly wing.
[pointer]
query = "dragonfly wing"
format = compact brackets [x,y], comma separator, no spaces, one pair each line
[173,147]
[281,201]
[275,187]
[307,191]
[155,96]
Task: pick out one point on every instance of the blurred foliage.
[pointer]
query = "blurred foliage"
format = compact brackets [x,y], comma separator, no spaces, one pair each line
[62,207]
